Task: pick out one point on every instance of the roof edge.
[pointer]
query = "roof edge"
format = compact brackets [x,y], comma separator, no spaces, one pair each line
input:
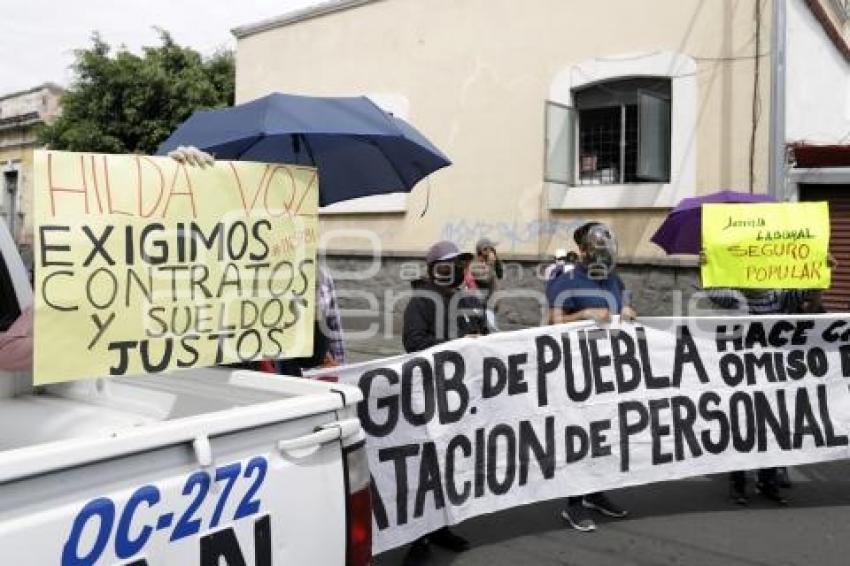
[820,155]
[299,15]
[833,31]
[42,86]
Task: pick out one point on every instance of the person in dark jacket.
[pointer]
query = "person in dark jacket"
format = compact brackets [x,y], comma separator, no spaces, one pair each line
[440,310]
[434,316]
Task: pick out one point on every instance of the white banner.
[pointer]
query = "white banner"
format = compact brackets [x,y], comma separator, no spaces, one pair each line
[474,426]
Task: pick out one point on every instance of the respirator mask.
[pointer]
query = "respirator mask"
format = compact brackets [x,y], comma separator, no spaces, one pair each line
[600,252]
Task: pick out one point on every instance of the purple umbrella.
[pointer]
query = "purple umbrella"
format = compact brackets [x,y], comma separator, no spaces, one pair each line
[681,232]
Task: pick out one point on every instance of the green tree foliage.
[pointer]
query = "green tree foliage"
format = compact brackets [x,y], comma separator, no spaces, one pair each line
[126,103]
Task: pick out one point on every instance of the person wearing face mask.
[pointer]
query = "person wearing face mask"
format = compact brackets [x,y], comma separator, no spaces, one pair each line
[590,291]
[439,311]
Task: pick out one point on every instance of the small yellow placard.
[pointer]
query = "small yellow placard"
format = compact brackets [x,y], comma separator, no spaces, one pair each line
[766,245]
[144,265]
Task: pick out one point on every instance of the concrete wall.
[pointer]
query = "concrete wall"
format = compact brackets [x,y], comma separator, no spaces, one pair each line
[378,301]
[474,76]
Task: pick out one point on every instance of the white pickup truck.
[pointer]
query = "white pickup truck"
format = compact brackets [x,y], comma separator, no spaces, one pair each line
[202,467]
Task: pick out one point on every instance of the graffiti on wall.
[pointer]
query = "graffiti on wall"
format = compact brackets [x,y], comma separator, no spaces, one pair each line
[509,235]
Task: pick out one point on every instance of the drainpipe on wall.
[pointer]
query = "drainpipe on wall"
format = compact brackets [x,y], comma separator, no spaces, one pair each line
[776,186]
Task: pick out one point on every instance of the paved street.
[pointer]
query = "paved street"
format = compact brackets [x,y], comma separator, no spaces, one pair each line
[689,522]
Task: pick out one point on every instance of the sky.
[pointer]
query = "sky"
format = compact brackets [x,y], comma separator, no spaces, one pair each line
[38,37]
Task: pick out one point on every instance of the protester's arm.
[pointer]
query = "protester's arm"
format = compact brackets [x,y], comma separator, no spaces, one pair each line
[812,303]
[418,333]
[793,301]
[191,155]
[627,311]
[563,307]
[726,298]
[729,299]
[484,329]
[557,315]
[336,344]
[16,344]
[332,323]
[480,327]
[498,269]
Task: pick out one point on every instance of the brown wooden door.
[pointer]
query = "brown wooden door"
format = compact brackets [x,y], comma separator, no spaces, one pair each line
[836,299]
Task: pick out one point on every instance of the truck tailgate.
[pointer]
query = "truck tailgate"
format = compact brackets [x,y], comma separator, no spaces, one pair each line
[246,471]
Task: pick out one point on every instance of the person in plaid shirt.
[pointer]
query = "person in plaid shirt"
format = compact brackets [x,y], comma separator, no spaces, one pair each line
[328,345]
[327,313]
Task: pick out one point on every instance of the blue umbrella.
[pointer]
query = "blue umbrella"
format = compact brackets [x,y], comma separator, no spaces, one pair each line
[359,149]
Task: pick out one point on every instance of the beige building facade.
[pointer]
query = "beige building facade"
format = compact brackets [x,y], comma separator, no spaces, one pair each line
[559,111]
[21,113]
[498,86]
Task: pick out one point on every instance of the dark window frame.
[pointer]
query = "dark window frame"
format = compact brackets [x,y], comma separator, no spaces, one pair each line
[624,97]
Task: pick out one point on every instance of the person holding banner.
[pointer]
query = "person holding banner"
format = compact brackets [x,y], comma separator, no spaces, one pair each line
[428,319]
[438,312]
[757,302]
[763,302]
[592,290]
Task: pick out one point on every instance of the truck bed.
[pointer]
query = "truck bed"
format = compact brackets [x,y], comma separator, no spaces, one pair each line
[86,420]
[152,460]
[104,407]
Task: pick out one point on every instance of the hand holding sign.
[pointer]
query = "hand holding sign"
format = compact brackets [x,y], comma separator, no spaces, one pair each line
[596,314]
[766,246]
[191,155]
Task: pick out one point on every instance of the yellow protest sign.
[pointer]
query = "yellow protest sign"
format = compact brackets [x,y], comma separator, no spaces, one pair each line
[145,265]
[766,245]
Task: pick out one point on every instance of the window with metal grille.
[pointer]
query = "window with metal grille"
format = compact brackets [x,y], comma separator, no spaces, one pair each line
[617,133]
